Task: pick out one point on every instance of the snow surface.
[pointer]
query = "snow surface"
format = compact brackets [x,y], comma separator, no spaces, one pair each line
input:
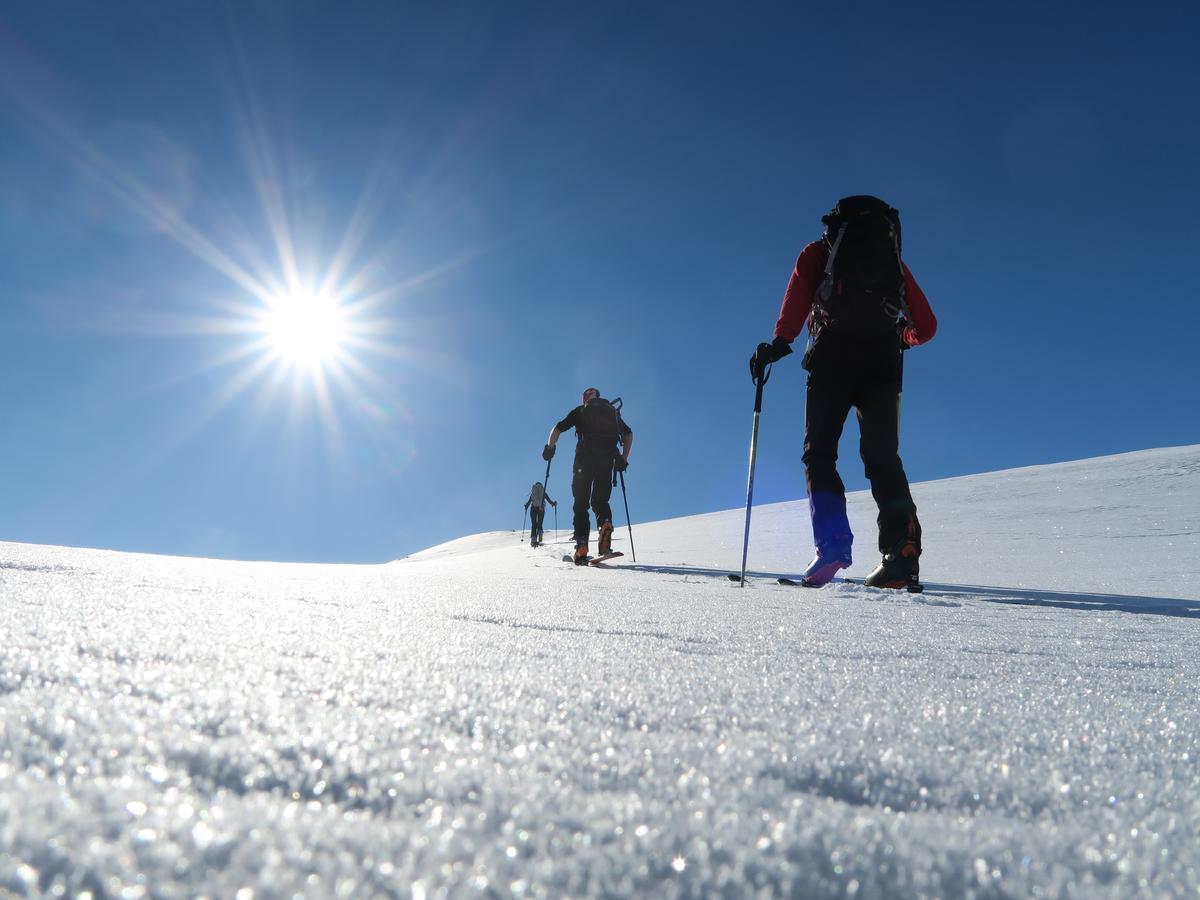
[481,719]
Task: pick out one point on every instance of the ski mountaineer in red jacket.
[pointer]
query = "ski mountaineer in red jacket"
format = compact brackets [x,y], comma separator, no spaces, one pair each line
[863,308]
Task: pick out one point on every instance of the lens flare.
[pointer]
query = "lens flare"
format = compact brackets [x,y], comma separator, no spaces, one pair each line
[305,328]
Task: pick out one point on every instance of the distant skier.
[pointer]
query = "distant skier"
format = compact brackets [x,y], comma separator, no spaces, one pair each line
[536,504]
[863,308]
[599,429]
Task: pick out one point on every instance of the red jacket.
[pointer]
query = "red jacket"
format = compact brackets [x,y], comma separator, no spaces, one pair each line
[807,277]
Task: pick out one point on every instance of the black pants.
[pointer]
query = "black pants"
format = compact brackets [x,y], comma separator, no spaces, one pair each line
[536,514]
[591,485]
[866,376]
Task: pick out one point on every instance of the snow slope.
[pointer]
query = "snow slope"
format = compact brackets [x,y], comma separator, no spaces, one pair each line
[482,720]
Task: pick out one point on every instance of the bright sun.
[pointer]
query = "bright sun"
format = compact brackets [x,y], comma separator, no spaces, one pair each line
[306,329]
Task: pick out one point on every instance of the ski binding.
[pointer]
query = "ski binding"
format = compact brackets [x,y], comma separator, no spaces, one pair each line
[794,582]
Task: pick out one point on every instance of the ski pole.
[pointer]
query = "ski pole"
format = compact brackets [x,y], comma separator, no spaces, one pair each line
[758,392]
[523,513]
[624,497]
[556,523]
[546,493]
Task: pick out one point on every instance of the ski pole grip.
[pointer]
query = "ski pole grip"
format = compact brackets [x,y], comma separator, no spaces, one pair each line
[758,389]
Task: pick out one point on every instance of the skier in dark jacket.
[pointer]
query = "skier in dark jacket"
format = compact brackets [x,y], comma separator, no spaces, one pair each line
[536,504]
[599,429]
[863,309]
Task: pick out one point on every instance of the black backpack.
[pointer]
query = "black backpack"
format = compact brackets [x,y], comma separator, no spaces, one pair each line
[862,294]
[599,426]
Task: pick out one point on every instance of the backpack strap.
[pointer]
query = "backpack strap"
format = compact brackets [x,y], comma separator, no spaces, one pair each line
[904,312]
[825,288]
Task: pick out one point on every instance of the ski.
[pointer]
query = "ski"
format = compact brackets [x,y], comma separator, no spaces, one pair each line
[592,561]
[912,588]
[793,582]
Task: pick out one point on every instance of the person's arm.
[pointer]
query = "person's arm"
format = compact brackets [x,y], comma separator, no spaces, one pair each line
[795,311]
[923,323]
[798,298]
[622,461]
[566,424]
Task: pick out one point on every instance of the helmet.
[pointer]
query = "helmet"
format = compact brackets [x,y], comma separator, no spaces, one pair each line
[590,394]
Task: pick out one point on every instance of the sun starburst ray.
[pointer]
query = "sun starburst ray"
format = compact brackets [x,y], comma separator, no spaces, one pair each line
[307,330]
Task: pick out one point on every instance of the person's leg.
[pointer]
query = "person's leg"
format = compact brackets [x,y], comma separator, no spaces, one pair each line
[878,407]
[581,491]
[827,404]
[602,490]
[536,514]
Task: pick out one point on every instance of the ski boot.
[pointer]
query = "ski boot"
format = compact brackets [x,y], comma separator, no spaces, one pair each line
[581,555]
[824,566]
[604,547]
[899,570]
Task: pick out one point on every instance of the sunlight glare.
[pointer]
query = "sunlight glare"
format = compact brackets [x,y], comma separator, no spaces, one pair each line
[307,329]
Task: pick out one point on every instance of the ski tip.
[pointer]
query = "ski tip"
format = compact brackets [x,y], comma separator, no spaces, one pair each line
[733,577]
[595,561]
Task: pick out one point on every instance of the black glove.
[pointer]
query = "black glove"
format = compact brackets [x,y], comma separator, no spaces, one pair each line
[620,464]
[765,354]
[548,452]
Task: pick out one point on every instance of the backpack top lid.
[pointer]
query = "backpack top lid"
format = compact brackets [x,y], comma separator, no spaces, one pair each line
[857,208]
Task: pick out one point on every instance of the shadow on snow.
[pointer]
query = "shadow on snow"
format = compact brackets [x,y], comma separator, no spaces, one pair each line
[1080,601]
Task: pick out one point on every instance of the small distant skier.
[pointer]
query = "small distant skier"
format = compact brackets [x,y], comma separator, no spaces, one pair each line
[536,504]
[599,431]
[863,309]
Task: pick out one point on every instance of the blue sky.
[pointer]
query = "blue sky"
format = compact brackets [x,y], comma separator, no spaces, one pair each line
[518,201]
